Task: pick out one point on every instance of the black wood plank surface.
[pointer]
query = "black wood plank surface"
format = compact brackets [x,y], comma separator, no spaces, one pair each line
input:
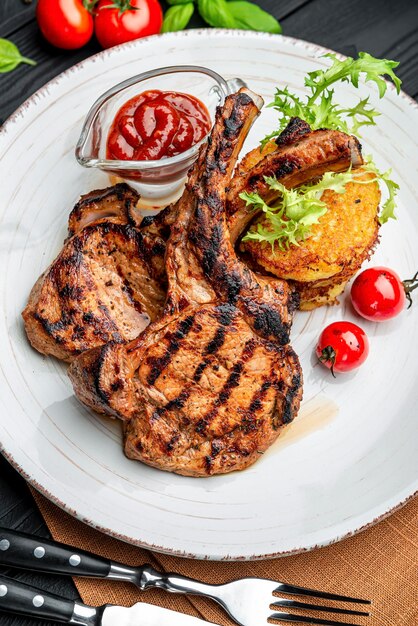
[374,26]
[381,27]
[14,14]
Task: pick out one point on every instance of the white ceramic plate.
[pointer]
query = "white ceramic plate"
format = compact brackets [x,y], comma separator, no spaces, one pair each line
[350,457]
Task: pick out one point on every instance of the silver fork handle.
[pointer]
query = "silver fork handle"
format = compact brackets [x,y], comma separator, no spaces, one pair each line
[175,583]
[146,577]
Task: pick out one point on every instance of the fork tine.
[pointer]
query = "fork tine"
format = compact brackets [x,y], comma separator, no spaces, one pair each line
[302,619]
[302,591]
[316,607]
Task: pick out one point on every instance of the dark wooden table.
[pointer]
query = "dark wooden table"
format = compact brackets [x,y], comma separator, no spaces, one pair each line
[382,27]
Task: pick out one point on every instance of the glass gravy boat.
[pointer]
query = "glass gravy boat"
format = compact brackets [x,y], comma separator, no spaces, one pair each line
[158,182]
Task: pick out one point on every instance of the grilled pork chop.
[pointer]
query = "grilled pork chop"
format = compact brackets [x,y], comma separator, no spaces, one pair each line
[208,387]
[302,155]
[106,284]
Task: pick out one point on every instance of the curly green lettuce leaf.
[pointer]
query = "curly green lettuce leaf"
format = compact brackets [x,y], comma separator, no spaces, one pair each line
[392,188]
[319,109]
[289,220]
[280,230]
[350,69]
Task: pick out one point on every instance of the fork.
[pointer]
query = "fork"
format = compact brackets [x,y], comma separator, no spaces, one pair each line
[249,601]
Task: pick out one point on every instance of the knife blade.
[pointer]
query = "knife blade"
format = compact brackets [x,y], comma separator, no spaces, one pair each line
[142,614]
[22,599]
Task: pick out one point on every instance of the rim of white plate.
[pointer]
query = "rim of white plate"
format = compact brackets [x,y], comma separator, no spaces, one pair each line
[375,515]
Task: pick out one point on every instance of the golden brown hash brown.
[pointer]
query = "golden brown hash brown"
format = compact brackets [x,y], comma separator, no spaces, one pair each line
[337,246]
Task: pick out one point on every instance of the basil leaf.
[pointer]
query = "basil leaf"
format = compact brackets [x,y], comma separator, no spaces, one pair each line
[175,2]
[10,56]
[177,17]
[249,16]
[216,13]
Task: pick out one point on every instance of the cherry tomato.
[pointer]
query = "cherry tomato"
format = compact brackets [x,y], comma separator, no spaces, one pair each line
[378,294]
[342,347]
[126,20]
[64,23]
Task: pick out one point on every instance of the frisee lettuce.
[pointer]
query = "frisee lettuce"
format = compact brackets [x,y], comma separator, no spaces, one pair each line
[290,218]
[319,109]
[392,188]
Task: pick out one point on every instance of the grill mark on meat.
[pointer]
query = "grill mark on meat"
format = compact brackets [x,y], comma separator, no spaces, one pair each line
[70,292]
[234,123]
[212,248]
[94,372]
[224,314]
[170,445]
[197,376]
[231,382]
[283,167]
[175,341]
[175,403]
[127,289]
[258,396]
[54,327]
[267,320]
[217,341]
[290,395]
[147,221]
[294,131]
[249,422]
[146,251]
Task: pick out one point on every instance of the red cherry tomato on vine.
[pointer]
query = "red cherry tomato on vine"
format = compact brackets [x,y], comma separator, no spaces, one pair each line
[378,294]
[342,347]
[118,21]
[64,23]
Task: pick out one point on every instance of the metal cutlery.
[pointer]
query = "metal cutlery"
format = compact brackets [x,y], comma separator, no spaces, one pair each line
[249,601]
[17,597]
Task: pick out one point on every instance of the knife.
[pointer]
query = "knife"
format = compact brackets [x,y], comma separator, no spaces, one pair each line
[19,598]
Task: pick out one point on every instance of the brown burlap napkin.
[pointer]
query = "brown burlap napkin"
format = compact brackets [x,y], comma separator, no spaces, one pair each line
[380,563]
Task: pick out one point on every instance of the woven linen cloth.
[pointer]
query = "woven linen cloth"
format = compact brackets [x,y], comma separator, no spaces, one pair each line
[380,563]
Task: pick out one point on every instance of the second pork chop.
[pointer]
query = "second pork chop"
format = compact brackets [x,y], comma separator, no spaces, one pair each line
[106,284]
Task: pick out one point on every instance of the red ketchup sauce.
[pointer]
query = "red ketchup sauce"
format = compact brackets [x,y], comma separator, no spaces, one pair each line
[157,124]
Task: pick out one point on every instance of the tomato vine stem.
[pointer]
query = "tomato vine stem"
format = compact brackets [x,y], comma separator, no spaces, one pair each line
[409,286]
[328,355]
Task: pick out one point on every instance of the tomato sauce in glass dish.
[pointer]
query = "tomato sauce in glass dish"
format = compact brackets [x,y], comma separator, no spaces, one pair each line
[157,124]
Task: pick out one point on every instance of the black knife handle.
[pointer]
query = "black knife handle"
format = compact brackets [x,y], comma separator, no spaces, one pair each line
[17,597]
[30,552]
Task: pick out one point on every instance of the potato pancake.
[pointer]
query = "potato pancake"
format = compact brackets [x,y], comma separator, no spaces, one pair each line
[335,249]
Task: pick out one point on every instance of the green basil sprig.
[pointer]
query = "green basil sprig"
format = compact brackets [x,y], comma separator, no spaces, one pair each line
[216,13]
[177,17]
[249,16]
[10,56]
[238,14]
